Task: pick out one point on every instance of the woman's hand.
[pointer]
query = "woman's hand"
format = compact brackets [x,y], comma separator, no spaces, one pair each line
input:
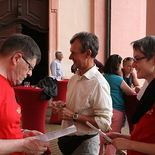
[121,143]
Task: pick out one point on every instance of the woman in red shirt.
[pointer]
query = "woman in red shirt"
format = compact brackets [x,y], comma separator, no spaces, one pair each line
[142,139]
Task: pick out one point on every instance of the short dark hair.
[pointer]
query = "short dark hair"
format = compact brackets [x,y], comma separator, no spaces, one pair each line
[112,64]
[146,46]
[27,46]
[88,41]
[127,59]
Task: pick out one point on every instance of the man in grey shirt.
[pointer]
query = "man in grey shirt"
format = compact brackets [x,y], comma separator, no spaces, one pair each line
[55,67]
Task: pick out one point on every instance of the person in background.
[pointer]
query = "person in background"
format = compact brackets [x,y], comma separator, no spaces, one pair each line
[98,64]
[18,57]
[117,87]
[142,138]
[55,67]
[129,75]
[88,99]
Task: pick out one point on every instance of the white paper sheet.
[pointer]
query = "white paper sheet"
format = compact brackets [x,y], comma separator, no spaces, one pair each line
[56,134]
[102,134]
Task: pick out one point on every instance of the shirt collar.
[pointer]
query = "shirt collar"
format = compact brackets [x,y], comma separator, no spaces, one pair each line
[58,60]
[89,74]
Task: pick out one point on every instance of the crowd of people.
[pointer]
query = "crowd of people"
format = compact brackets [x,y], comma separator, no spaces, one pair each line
[93,95]
[118,87]
[79,107]
[142,139]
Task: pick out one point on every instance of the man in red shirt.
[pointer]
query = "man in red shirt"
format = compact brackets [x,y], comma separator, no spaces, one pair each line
[18,56]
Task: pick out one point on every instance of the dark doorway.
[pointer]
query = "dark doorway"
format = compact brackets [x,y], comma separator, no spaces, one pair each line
[41,70]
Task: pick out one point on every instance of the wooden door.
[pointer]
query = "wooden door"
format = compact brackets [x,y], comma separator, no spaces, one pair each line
[29,17]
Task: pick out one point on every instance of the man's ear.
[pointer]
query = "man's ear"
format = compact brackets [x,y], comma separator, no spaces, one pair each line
[16,57]
[89,52]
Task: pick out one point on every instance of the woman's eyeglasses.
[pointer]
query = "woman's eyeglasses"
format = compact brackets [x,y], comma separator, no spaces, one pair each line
[137,59]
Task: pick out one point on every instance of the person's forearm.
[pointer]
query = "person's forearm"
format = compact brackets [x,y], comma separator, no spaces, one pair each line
[125,136]
[29,145]
[120,135]
[65,114]
[146,148]
[82,119]
[10,146]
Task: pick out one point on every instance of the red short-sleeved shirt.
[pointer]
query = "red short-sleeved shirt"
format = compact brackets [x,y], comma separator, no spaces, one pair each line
[10,113]
[144,130]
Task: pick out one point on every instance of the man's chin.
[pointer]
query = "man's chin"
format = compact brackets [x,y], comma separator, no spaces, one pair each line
[18,83]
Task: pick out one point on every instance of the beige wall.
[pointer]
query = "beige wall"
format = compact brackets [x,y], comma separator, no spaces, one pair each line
[74,16]
[67,17]
[99,26]
[53,30]
[128,23]
[150,27]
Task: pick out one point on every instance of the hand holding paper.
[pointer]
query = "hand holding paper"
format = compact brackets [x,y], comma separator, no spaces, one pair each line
[102,134]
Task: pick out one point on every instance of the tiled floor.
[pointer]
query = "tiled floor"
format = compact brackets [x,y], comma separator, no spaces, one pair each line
[53,127]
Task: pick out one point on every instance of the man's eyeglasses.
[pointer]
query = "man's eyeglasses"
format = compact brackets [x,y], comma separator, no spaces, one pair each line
[137,59]
[30,66]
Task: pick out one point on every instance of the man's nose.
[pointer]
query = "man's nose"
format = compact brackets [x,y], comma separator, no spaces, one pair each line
[29,74]
[70,57]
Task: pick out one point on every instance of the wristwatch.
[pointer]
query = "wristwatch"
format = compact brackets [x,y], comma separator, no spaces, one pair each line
[75,116]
